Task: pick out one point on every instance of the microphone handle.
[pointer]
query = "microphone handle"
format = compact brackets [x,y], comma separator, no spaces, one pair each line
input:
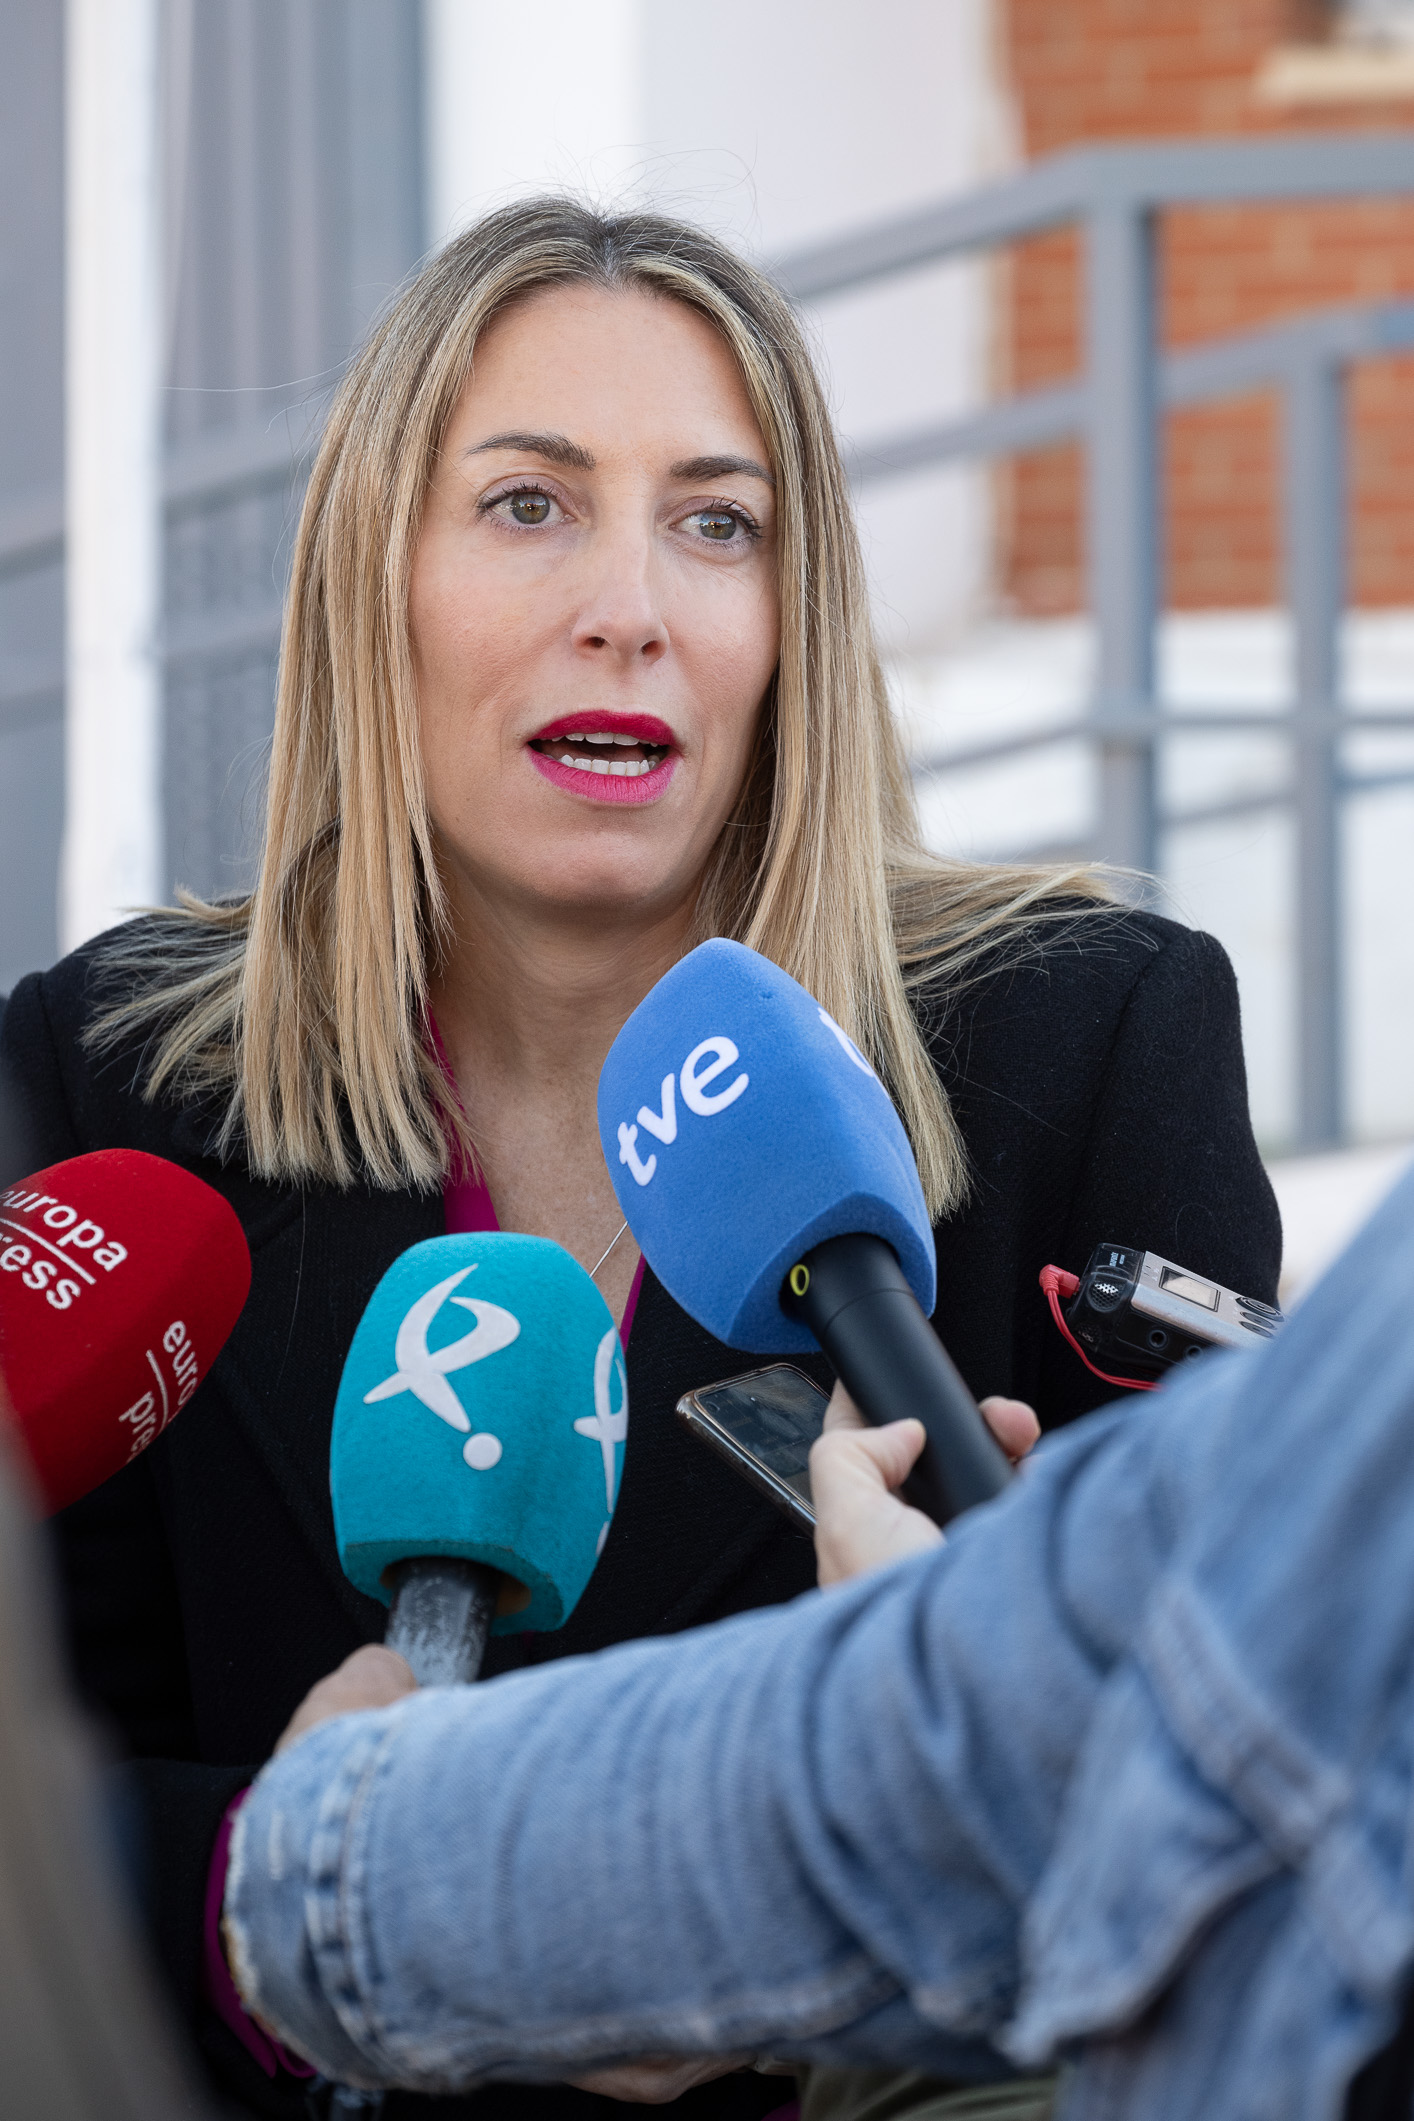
[441,1615]
[857,1302]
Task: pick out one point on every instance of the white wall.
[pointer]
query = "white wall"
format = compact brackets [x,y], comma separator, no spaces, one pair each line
[775,124]
[111,860]
[1323,1201]
[522,97]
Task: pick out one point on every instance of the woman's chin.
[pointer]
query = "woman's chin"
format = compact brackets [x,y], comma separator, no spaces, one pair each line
[589,887]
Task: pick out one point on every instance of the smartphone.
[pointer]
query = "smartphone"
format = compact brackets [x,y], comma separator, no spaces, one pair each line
[763,1424]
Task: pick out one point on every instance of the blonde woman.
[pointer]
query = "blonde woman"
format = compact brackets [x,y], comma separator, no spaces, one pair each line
[577,670]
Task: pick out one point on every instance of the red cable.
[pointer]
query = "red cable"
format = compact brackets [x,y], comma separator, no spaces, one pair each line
[1057,1284]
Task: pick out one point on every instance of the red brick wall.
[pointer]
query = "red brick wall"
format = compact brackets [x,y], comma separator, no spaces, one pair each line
[1085,70]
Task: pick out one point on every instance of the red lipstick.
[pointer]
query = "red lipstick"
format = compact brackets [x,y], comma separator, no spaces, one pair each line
[633,761]
[645,728]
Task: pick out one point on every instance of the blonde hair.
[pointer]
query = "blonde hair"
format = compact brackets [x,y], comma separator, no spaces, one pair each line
[305,1005]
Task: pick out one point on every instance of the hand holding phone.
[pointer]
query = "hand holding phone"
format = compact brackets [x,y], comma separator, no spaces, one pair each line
[765,1424]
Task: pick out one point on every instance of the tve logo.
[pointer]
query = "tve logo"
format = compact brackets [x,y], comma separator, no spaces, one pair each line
[847,1044]
[768,1138]
[706,1063]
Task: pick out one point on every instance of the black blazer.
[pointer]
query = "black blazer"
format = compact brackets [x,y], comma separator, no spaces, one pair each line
[1098,1082]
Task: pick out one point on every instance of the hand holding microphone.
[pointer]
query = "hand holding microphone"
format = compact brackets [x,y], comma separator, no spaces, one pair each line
[769,1183]
[478,1444]
[857,1474]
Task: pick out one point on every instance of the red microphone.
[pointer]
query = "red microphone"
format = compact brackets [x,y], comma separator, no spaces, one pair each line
[120,1277]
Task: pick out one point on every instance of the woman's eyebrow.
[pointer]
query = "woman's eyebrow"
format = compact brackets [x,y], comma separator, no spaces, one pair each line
[555,449]
[559,449]
[722,468]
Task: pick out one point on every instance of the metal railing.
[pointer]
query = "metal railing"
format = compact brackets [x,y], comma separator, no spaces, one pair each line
[1115,408]
[214,625]
[257,458]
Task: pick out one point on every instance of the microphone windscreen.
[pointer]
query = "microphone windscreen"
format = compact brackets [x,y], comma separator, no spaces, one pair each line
[741,1127]
[482,1413]
[120,1277]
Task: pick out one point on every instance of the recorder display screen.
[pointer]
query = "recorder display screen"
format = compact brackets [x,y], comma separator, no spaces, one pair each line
[1177,1283]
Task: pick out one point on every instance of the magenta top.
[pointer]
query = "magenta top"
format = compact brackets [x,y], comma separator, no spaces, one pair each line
[220,1988]
[467,1205]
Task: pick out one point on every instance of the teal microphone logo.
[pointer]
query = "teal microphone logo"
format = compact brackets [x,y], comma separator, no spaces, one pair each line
[608,1427]
[424,1372]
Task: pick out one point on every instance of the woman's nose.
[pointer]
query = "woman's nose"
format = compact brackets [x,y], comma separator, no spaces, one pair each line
[621,613]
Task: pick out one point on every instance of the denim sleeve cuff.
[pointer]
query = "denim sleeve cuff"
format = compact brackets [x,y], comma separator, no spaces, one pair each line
[220,1988]
[464,1886]
[284,1904]
[300,1913]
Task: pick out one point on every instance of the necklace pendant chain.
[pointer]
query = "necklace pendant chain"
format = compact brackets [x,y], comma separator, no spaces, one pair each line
[608,1248]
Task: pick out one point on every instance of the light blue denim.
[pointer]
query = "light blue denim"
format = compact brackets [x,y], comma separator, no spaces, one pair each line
[1121,1773]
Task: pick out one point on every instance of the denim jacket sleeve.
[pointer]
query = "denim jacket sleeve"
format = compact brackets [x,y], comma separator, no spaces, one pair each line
[1134,1741]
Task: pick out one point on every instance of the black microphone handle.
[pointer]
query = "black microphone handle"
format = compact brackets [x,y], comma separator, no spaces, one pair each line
[852,1294]
[441,1615]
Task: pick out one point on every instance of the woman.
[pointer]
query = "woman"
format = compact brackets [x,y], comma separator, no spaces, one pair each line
[577,670]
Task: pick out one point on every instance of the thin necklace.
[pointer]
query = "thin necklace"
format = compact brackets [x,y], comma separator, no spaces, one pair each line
[608,1248]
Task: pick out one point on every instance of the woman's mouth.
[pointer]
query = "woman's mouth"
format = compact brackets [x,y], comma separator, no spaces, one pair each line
[617,758]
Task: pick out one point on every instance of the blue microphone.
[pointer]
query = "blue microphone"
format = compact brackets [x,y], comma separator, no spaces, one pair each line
[771,1187]
[478,1445]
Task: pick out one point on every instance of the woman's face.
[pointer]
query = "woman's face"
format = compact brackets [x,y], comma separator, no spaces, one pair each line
[593,609]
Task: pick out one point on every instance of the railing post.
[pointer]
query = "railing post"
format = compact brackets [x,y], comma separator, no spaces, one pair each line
[1315,573]
[1122,494]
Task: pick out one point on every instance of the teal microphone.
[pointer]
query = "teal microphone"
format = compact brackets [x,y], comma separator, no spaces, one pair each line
[478,1445]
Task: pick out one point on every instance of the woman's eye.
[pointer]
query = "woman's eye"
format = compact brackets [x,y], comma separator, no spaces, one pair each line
[718,524]
[526,505]
[531,508]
